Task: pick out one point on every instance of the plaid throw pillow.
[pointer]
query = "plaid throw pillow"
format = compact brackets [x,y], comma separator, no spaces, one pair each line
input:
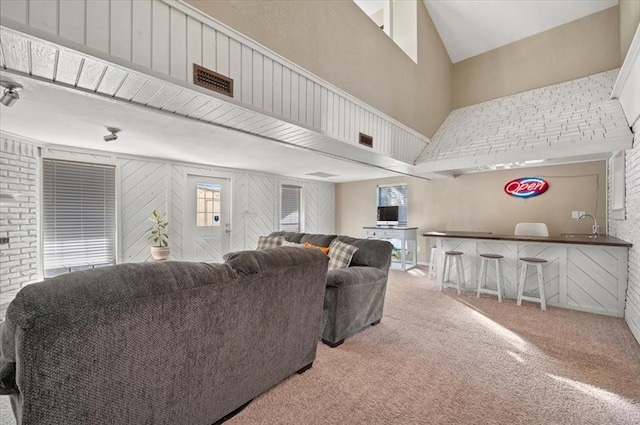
[340,254]
[266,242]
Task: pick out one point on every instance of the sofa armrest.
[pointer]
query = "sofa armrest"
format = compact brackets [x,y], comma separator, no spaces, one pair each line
[355,275]
[7,359]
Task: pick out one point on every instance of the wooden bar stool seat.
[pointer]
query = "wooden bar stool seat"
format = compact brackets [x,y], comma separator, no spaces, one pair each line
[451,257]
[482,281]
[537,263]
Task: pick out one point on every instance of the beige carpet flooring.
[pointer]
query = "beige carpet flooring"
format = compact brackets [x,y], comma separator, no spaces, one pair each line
[439,358]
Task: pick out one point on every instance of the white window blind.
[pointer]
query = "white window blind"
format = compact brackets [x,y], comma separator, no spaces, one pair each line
[79,216]
[394,195]
[290,208]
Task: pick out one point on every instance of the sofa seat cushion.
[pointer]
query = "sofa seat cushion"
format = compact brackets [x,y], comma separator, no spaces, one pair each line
[354,276]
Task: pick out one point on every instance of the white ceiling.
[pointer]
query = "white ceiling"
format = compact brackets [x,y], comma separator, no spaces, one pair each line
[51,114]
[471,27]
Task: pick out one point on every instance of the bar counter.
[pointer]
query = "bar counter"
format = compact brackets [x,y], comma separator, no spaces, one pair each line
[582,272]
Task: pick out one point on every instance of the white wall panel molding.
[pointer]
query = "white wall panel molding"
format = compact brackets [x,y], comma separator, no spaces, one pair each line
[627,86]
[161,40]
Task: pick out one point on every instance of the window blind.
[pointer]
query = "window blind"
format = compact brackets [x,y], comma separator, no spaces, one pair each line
[290,208]
[79,215]
[394,195]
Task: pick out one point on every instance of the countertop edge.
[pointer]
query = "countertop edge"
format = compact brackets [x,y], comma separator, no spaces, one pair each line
[602,241]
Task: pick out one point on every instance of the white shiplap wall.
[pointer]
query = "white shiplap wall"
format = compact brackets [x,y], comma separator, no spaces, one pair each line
[167,37]
[627,89]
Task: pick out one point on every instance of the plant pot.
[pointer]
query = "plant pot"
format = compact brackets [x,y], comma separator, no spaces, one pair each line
[160,253]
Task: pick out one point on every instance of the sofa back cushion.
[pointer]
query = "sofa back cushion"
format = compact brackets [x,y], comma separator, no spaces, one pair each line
[253,262]
[290,236]
[371,252]
[318,240]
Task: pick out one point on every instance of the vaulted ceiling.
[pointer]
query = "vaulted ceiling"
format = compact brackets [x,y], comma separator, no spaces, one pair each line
[471,27]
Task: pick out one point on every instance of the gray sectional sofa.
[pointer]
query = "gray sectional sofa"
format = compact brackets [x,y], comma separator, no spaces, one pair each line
[161,343]
[354,298]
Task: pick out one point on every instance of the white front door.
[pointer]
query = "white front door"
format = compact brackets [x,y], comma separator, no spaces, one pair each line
[207,221]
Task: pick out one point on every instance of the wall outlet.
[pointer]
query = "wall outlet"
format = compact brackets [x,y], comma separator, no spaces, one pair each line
[577,214]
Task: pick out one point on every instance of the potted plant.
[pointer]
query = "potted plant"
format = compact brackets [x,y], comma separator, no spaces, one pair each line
[158,234]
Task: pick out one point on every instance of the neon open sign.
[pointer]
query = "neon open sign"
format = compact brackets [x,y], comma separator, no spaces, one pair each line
[526,187]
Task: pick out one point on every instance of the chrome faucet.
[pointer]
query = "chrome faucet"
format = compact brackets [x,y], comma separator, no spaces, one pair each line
[595,228]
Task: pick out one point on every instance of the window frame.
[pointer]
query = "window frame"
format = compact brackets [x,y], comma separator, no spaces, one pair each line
[406,206]
[301,209]
[82,157]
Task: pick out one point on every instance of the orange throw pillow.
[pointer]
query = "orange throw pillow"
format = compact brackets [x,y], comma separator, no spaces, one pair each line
[321,248]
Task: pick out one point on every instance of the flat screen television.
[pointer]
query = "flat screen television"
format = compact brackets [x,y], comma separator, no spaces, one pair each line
[388,216]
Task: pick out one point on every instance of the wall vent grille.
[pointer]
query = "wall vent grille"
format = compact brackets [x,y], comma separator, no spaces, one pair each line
[208,79]
[366,140]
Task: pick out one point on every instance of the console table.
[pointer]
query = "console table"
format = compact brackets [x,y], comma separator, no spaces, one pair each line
[408,237]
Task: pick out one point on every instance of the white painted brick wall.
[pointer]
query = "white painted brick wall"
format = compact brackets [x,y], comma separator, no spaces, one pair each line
[574,113]
[18,220]
[629,230]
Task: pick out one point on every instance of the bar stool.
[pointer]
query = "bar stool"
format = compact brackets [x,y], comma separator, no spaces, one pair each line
[432,262]
[449,258]
[482,281]
[538,262]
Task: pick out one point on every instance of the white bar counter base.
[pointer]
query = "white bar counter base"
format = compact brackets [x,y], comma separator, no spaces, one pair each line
[587,275]
[408,237]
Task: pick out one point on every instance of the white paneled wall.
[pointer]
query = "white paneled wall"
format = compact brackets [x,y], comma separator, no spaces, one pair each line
[146,184]
[168,37]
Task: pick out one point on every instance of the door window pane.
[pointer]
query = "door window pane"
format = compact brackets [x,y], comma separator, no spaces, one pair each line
[207,205]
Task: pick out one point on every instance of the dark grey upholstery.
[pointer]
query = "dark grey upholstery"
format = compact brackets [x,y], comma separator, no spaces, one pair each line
[355,296]
[161,343]
[318,240]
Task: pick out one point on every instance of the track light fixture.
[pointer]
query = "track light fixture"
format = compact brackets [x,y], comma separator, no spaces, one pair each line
[10,95]
[113,136]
